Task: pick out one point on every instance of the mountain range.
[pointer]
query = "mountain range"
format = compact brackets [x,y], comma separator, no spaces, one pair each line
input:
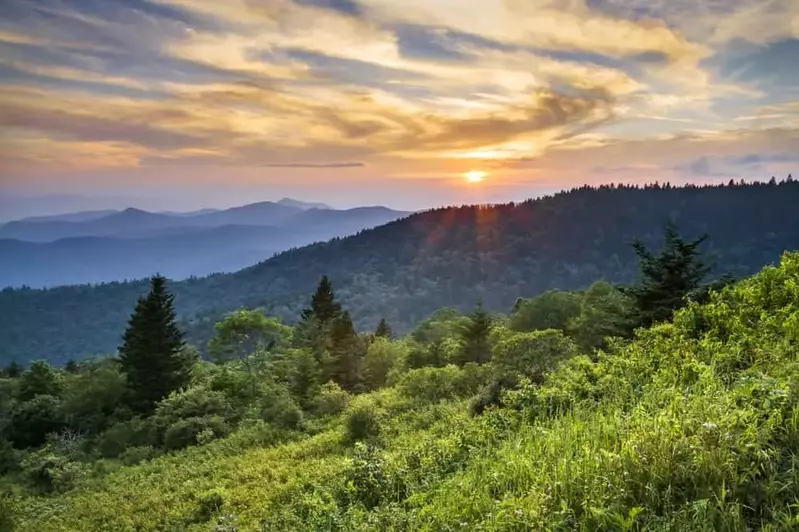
[407,268]
[104,246]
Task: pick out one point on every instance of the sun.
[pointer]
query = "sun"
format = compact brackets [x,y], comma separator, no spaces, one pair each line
[475,176]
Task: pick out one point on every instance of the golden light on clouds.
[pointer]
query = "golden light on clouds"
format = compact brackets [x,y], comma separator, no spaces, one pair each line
[576,91]
[475,176]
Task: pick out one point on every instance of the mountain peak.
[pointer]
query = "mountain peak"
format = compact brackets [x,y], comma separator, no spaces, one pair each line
[290,202]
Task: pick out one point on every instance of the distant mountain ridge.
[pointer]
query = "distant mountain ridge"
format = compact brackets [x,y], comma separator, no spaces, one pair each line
[134,243]
[405,269]
[138,223]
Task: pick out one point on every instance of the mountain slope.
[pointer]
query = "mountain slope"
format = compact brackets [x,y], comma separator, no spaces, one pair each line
[447,257]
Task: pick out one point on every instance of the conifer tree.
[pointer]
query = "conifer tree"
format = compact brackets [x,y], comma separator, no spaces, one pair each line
[13,370]
[383,330]
[345,352]
[666,279]
[324,307]
[477,347]
[150,354]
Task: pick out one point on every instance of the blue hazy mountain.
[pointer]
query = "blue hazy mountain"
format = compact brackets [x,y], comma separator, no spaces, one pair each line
[133,243]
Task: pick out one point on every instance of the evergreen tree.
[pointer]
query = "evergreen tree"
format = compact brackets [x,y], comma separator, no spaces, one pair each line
[666,279]
[71,366]
[151,354]
[383,330]
[345,353]
[13,370]
[324,307]
[475,334]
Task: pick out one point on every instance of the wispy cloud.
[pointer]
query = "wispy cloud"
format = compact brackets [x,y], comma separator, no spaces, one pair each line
[400,87]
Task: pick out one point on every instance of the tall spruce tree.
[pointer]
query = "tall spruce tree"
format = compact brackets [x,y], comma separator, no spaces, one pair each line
[383,330]
[324,307]
[150,354]
[668,277]
[345,352]
[476,343]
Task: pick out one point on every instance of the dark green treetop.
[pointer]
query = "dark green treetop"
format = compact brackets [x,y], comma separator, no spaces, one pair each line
[150,354]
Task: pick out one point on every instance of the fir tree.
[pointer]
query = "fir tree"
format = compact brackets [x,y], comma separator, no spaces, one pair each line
[477,347]
[324,307]
[383,330]
[345,352]
[13,370]
[151,353]
[666,279]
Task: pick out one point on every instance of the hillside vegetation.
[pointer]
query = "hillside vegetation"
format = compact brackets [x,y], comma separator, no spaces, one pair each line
[557,417]
[407,269]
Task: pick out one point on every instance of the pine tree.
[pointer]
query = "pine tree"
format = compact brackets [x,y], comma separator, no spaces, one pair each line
[345,352]
[666,279]
[13,370]
[383,330]
[151,353]
[477,347]
[324,307]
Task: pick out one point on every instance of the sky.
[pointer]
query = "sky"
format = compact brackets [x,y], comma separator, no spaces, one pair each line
[190,103]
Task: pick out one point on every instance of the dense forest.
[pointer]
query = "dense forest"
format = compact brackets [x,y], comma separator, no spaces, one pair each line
[669,403]
[449,257]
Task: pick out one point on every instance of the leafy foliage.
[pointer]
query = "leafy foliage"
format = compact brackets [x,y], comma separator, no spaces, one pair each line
[690,424]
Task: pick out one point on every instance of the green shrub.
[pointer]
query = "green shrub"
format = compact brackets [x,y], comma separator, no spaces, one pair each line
[9,457]
[134,432]
[136,455]
[209,505]
[185,432]
[34,419]
[48,472]
[192,403]
[436,384]
[363,423]
[280,409]
[331,400]
[530,354]
[8,511]
[365,480]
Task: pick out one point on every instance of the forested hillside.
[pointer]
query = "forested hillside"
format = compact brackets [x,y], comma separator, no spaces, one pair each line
[558,417]
[405,270]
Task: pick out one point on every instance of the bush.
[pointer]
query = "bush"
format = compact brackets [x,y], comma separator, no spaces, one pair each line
[436,384]
[9,458]
[186,432]
[209,505]
[135,432]
[49,472]
[280,409]
[136,455]
[194,402]
[33,420]
[8,512]
[530,354]
[363,423]
[93,397]
[331,400]
[365,480]
[381,357]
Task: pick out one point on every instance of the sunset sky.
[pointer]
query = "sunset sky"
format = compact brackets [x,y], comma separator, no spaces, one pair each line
[190,103]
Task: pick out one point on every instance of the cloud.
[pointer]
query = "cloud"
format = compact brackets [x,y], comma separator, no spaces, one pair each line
[315,165]
[408,88]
